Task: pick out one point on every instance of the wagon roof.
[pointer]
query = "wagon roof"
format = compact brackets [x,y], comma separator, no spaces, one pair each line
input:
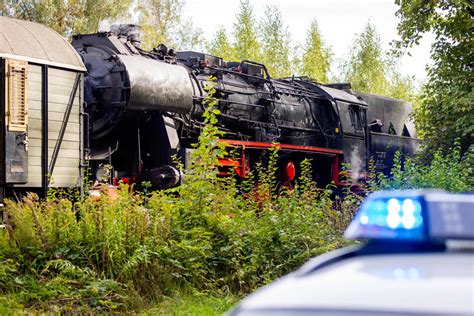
[34,42]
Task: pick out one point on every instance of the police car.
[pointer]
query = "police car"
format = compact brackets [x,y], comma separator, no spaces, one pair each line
[417,259]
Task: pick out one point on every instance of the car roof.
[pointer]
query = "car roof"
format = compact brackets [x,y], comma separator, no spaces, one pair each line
[424,283]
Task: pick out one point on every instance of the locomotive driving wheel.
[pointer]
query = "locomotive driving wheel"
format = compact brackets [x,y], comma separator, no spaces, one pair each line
[288,174]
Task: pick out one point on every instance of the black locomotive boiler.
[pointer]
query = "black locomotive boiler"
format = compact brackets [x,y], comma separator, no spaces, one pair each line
[143,107]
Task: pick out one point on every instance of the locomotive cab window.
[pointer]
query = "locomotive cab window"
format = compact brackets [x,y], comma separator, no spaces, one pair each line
[16,91]
[326,114]
[357,117]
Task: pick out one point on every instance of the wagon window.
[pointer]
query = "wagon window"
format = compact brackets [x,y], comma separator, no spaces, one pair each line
[391,130]
[405,132]
[16,80]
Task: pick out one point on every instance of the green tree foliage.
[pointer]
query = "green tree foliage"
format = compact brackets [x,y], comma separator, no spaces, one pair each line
[446,112]
[370,69]
[366,66]
[221,46]
[67,17]
[275,39]
[401,87]
[316,57]
[246,41]
[450,171]
[162,23]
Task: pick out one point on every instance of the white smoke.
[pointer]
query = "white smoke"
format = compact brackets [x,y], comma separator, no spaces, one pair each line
[132,17]
[357,164]
[104,25]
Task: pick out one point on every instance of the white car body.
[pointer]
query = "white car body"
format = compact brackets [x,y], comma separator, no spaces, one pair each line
[416,284]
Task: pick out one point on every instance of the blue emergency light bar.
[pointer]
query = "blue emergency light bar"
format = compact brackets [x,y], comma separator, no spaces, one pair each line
[414,216]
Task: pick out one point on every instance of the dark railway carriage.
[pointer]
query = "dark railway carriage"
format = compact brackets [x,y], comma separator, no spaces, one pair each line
[390,128]
[41,142]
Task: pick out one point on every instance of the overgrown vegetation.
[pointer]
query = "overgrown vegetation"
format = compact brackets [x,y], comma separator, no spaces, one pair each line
[451,171]
[210,235]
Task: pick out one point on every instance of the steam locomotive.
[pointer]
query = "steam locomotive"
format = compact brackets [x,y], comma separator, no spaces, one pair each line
[144,107]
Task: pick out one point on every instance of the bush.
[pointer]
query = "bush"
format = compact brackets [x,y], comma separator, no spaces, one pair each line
[450,171]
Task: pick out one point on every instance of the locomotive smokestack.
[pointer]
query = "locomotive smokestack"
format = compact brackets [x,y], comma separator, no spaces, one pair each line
[129,31]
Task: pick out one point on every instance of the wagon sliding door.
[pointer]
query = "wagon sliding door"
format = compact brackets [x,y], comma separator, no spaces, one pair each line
[48,94]
[67,164]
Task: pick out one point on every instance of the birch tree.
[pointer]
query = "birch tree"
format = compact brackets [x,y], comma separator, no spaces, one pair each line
[316,57]
[275,39]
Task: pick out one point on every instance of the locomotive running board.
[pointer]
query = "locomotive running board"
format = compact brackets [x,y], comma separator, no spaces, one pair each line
[310,149]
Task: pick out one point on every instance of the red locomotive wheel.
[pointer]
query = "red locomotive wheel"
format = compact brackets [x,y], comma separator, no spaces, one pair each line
[289,171]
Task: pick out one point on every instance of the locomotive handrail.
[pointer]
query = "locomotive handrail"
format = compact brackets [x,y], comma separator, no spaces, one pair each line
[227,70]
[280,81]
[296,128]
[394,135]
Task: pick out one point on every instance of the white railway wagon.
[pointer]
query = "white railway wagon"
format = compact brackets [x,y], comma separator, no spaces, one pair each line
[41,95]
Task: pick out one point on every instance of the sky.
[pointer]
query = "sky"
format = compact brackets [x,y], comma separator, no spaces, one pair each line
[339,21]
